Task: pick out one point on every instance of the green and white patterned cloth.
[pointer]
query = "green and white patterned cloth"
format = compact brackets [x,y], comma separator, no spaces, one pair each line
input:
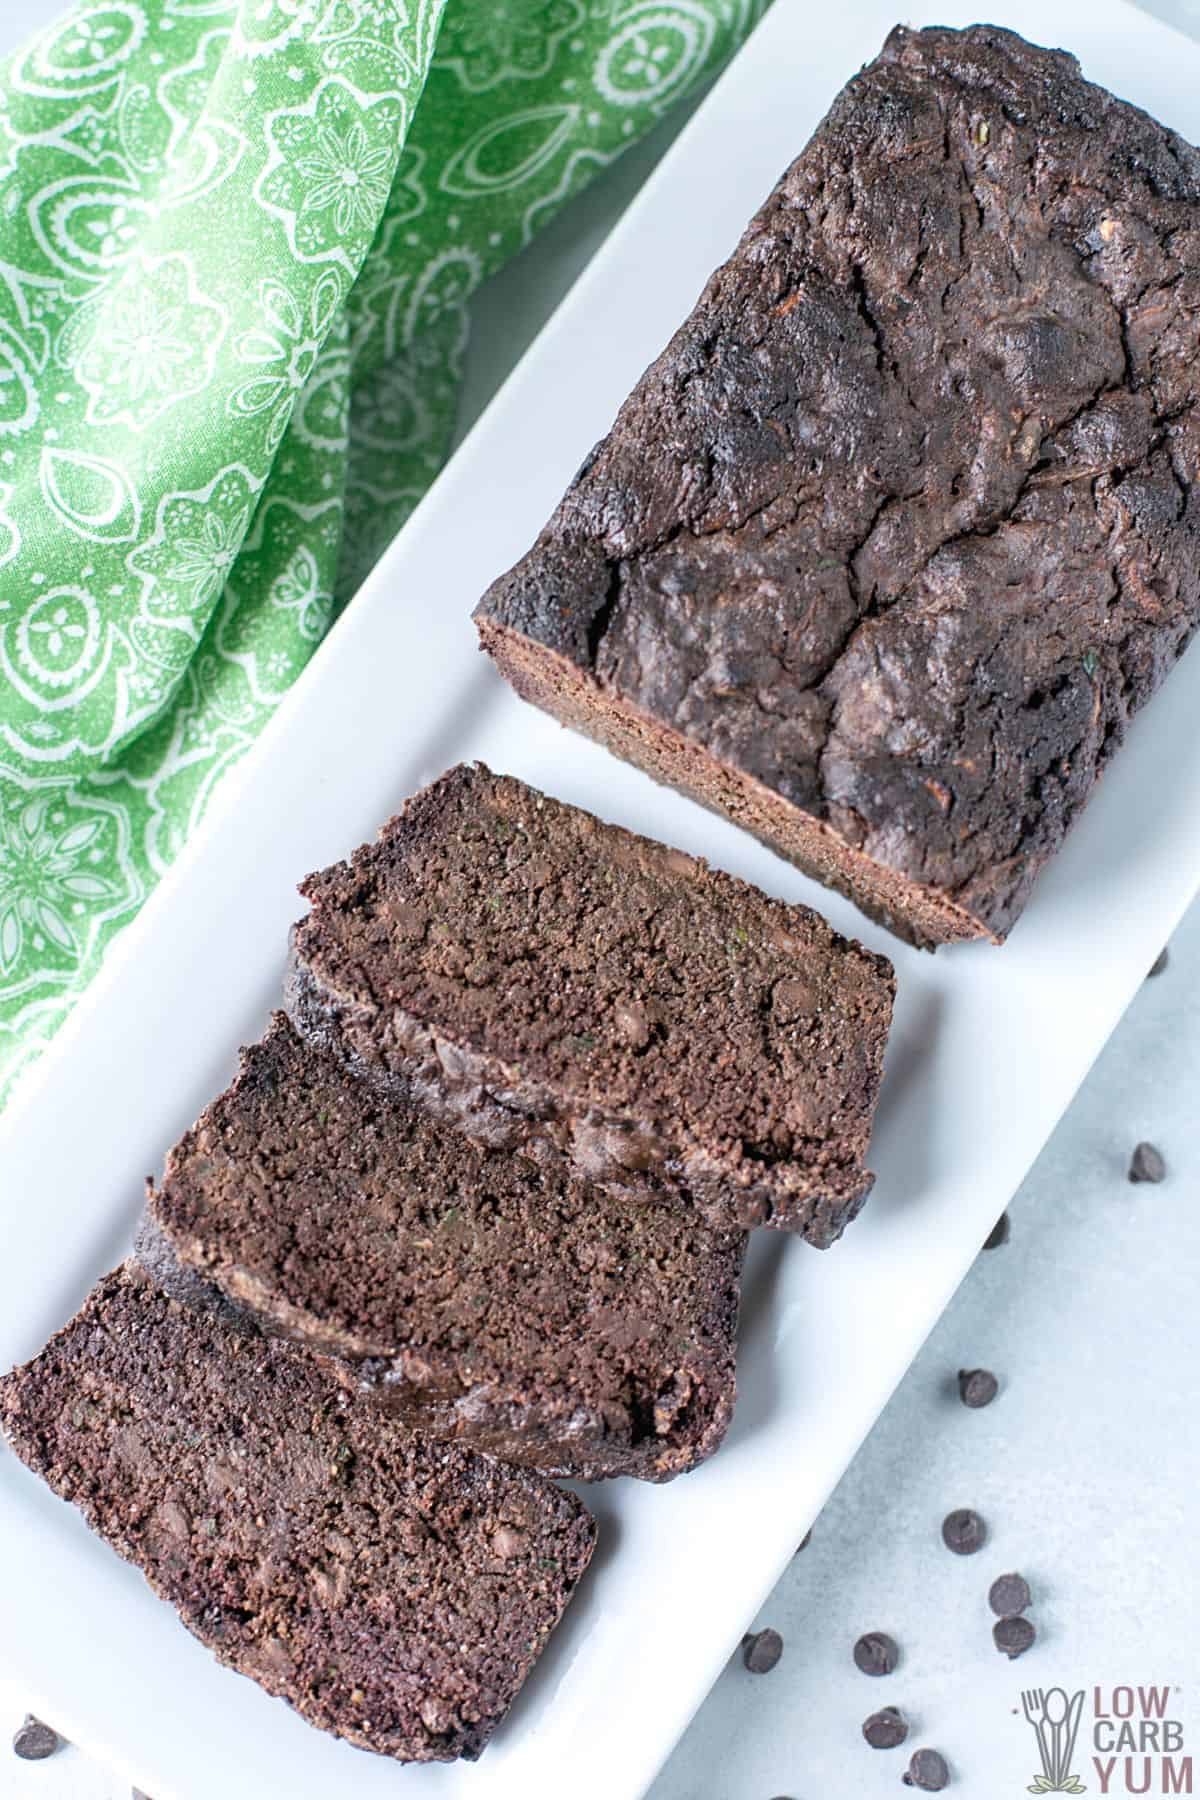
[237,240]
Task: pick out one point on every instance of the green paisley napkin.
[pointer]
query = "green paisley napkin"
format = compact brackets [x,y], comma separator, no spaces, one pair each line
[237,240]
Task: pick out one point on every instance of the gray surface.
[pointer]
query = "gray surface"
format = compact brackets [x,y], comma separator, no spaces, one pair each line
[1086,1467]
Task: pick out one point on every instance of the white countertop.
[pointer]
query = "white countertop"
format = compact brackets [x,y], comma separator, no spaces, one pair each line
[1087,1465]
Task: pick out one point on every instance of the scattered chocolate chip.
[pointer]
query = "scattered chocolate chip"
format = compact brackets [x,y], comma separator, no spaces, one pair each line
[998,1234]
[1009,1595]
[35,1741]
[963,1532]
[1160,962]
[876,1653]
[977,1387]
[761,1650]
[805,1541]
[1146,1164]
[885,1729]
[1013,1636]
[927,1770]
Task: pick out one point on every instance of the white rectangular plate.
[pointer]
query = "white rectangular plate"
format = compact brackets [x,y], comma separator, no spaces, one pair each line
[988,1047]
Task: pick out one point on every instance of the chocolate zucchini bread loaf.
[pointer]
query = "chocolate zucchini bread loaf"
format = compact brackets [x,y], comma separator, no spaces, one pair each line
[884,551]
[563,988]
[395,1590]
[481,1296]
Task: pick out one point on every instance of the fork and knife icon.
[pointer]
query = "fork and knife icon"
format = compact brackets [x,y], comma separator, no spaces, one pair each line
[1054,1716]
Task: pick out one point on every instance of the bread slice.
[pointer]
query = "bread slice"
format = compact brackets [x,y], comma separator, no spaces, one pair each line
[479,1295]
[885,550]
[395,1590]
[562,988]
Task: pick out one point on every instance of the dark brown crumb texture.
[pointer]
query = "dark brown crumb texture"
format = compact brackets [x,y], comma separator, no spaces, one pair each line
[888,546]
[480,1295]
[395,1590]
[563,988]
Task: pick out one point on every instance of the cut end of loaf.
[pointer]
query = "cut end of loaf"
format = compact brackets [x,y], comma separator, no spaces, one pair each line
[918,914]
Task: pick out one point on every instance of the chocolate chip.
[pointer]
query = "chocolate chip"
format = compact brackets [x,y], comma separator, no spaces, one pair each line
[876,1653]
[963,1532]
[35,1741]
[1146,1164]
[761,1650]
[1013,1636]
[927,1771]
[1160,962]
[885,1729]
[977,1387]
[633,1025]
[793,999]
[1009,1595]
[998,1234]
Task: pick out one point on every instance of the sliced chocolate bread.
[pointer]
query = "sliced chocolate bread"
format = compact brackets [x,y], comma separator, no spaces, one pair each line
[562,988]
[889,545]
[480,1295]
[395,1590]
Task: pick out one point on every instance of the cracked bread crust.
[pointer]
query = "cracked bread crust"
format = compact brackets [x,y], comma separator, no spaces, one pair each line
[396,1591]
[887,547]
